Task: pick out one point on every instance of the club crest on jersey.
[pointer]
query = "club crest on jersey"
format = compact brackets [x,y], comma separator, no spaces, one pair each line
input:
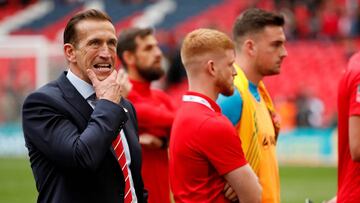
[358,94]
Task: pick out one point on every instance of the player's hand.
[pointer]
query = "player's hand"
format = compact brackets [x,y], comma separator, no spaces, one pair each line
[332,200]
[230,193]
[150,141]
[110,88]
[127,86]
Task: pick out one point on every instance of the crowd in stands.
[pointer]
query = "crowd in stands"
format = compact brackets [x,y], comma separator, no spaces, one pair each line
[318,19]
[325,21]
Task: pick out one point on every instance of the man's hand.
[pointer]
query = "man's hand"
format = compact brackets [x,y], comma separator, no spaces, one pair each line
[332,200]
[245,183]
[110,88]
[150,141]
[230,194]
[127,86]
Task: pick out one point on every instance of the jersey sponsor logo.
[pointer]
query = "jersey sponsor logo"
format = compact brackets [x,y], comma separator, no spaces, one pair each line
[358,94]
[268,141]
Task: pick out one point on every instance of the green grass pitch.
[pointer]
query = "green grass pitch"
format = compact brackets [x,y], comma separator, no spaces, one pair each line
[297,183]
[316,183]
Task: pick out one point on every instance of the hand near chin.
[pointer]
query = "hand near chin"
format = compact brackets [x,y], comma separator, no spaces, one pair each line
[126,86]
[111,88]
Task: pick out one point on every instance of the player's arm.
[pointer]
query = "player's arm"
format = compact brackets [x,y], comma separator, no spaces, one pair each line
[354,137]
[222,147]
[245,183]
[148,114]
[354,119]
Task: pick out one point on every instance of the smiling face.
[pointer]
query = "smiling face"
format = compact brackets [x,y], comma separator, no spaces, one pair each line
[94,49]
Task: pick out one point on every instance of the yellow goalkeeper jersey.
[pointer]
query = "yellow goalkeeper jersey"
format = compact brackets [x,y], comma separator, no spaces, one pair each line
[258,129]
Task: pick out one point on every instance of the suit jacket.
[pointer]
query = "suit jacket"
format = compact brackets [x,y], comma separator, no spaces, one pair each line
[70,149]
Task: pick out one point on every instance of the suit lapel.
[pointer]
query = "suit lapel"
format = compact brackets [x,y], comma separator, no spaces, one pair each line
[130,134]
[73,97]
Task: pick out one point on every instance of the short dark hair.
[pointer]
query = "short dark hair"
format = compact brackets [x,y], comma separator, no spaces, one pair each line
[254,20]
[126,40]
[70,35]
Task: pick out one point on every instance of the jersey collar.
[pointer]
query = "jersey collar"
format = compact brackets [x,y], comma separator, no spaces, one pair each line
[201,99]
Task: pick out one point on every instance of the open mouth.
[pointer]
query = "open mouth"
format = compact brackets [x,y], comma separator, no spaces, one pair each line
[102,66]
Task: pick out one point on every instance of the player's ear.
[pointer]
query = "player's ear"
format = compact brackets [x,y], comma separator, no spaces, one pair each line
[250,47]
[211,67]
[69,52]
[129,58]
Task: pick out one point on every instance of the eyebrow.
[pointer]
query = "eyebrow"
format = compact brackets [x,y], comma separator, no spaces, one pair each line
[278,42]
[94,40]
[113,40]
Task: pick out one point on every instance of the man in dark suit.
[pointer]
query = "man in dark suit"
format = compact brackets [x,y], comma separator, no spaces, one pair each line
[70,138]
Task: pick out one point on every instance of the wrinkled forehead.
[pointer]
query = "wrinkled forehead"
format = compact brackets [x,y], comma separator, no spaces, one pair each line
[95,28]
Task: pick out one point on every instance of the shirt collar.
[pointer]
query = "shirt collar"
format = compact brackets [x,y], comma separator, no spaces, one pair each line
[252,85]
[212,103]
[84,88]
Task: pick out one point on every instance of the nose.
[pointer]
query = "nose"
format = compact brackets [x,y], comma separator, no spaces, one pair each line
[234,72]
[158,51]
[284,52]
[105,52]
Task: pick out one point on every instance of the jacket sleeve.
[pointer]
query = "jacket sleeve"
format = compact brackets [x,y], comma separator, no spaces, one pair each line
[49,127]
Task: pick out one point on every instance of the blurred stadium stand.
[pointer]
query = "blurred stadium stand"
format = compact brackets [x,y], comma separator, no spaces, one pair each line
[322,35]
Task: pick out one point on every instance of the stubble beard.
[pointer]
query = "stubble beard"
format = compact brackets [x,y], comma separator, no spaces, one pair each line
[228,91]
[151,73]
[225,89]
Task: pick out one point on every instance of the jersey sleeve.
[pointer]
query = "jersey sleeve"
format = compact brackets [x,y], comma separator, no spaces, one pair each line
[354,88]
[150,115]
[231,106]
[166,99]
[221,146]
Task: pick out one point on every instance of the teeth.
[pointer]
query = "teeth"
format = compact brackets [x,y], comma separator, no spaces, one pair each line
[102,65]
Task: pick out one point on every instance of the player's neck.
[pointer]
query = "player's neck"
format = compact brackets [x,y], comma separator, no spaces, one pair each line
[252,75]
[134,75]
[249,70]
[203,88]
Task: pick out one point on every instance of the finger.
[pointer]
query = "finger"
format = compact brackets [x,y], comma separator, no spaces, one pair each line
[228,192]
[120,76]
[125,78]
[233,197]
[144,140]
[92,76]
[113,75]
[226,186]
[158,143]
[122,71]
[129,86]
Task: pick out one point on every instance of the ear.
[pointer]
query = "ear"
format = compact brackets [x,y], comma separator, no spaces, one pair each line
[211,67]
[69,51]
[129,58]
[250,47]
